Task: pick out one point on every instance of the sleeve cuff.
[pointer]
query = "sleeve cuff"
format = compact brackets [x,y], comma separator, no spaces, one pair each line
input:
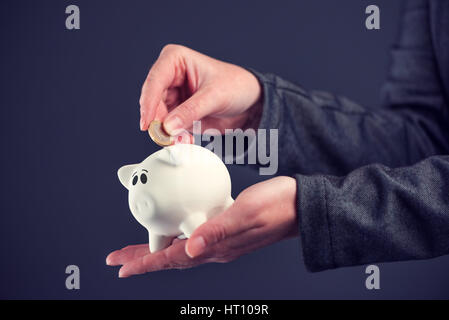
[314,227]
[271,110]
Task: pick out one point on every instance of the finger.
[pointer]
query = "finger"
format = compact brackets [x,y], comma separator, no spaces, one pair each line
[169,258]
[160,78]
[121,256]
[176,240]
[161,111]
[199,105]
[172,97]
[217,229]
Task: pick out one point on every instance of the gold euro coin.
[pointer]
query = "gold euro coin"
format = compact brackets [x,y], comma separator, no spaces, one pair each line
[158,135]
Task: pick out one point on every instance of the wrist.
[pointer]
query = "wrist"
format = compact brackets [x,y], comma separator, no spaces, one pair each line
[255,110]
[254,115]
[286,208]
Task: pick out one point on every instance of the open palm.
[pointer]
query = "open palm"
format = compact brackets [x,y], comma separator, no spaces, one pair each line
[261,215]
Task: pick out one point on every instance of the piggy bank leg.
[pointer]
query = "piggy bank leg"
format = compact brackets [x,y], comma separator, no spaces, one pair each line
[191,223]
[158,242]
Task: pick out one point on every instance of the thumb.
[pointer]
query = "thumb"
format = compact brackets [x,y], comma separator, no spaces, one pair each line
[213,231]
[199,105]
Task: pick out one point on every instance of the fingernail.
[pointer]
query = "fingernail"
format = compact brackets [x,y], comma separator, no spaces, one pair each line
[142,123]
[196,246]
[172,123]
[108,262]
[120,274]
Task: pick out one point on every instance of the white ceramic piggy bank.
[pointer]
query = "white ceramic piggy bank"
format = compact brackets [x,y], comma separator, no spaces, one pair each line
[175,190]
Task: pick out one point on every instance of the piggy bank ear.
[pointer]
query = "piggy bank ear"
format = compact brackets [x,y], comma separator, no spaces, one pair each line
[170,156]
[124,174]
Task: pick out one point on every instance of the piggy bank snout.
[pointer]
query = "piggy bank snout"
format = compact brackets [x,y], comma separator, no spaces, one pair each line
[141,205]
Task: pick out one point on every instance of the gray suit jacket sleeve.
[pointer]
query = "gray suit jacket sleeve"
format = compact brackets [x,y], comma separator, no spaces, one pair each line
[373,185]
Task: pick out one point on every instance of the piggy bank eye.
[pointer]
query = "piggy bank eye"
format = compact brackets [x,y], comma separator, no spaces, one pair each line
[135,180]
[143,178]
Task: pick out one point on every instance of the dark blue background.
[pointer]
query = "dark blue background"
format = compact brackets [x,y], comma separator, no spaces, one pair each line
[69,120]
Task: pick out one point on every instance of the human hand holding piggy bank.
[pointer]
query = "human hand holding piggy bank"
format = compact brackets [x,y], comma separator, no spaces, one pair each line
[175,190]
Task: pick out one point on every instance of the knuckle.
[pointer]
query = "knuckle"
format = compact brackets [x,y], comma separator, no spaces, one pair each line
[166,262]
[168,255]
[172,260]
[170,48]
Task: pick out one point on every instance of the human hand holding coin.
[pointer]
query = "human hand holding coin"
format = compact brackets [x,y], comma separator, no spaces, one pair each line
[184,85]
